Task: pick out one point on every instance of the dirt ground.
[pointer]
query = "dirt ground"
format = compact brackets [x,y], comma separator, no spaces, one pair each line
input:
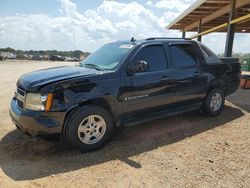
[187,150]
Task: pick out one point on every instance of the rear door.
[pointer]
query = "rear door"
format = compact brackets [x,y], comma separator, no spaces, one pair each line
[189,81]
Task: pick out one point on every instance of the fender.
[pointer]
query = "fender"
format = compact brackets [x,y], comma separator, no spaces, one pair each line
[77,93]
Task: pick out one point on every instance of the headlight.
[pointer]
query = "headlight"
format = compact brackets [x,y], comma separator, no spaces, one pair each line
[38,102]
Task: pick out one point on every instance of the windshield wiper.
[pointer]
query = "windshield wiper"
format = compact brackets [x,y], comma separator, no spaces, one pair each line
[96,67]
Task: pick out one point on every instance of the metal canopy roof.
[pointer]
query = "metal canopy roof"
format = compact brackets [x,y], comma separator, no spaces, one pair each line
[213,13]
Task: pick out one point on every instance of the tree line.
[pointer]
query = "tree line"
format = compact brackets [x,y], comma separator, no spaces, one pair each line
[75,53]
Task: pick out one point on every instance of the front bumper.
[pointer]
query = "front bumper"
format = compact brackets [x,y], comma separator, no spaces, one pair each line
[36,123]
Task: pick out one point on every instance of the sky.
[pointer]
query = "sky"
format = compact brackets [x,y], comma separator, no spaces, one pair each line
[56,24]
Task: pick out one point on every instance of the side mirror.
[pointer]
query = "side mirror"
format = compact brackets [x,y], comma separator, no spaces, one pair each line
[138,66]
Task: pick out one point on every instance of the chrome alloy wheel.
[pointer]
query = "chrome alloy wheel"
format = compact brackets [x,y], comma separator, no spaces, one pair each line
[92,129]
[216,102]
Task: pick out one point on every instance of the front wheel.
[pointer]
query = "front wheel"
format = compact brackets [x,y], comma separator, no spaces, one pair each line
[214,102]
[89,128]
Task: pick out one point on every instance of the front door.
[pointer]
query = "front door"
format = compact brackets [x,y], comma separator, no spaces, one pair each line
[151,89]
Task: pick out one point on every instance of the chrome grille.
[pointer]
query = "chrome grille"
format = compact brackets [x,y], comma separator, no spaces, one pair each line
[21,92]
[20,98]
[20,104]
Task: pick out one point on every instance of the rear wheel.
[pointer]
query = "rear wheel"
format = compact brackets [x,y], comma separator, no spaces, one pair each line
[214,102]
[89,128]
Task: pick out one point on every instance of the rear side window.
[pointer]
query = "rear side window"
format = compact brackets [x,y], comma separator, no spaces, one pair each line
[183,55]
[155,57]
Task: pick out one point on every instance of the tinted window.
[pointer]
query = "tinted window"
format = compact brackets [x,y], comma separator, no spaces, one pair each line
[183,55]
[154,56]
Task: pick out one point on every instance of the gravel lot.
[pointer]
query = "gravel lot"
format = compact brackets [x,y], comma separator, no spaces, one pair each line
[187,150]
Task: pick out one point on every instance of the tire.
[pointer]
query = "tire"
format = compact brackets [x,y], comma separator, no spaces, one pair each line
[214,102]
[89,128]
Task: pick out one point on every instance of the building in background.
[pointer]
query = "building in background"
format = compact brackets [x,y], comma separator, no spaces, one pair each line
[7,55]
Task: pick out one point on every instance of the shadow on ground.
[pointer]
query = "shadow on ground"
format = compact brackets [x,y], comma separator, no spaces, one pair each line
[241,99]
[25,158]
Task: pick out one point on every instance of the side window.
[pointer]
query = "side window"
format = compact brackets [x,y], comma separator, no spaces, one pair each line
[155,57]
[183,55]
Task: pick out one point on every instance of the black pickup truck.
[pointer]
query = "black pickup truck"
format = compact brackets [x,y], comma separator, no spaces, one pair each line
[122,83]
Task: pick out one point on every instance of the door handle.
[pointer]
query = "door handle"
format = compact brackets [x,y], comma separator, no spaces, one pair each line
[165,78]
[197,73]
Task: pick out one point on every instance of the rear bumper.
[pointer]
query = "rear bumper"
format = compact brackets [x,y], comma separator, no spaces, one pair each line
[36,123]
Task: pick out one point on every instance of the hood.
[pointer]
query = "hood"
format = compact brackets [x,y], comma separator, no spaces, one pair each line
[34,80]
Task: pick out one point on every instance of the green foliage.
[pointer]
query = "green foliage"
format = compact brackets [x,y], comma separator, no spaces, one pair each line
[241,55]
[237,55]
[8,49]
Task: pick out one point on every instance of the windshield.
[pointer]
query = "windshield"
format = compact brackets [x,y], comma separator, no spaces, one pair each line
[107,57]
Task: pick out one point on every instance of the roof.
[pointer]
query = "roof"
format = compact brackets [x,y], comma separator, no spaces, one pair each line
[212,13]
[150,40]
[162,39]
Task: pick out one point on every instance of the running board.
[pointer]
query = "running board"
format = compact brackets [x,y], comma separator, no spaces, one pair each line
[161,114]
